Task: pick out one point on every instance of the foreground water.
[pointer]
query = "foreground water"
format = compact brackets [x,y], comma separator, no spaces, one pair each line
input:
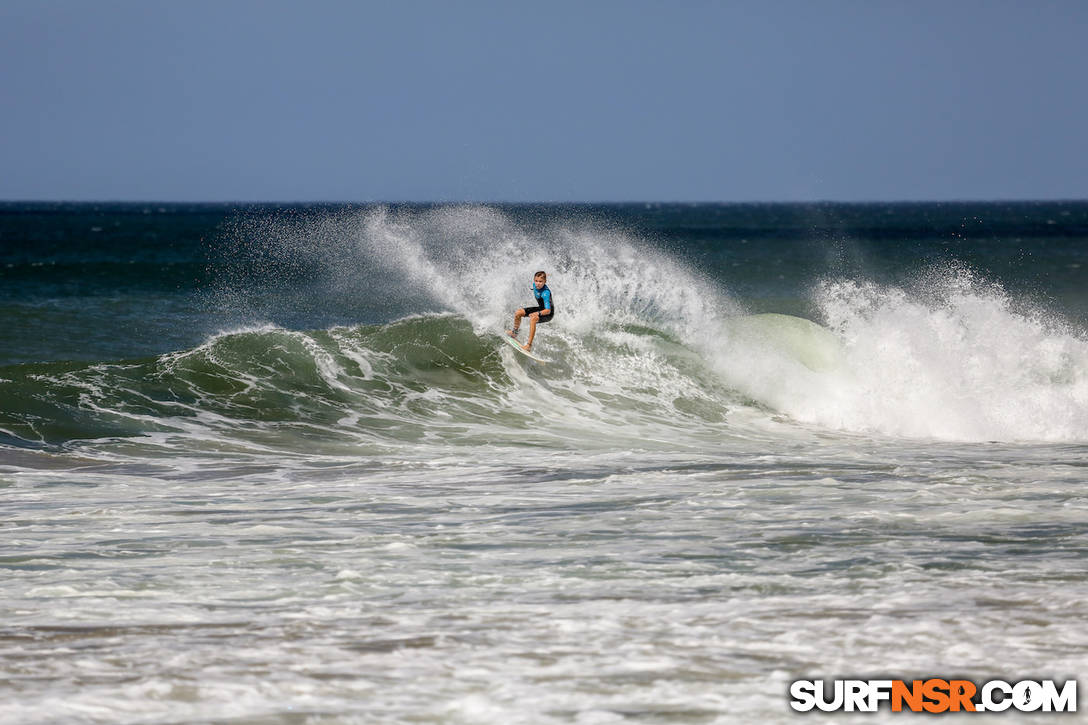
[291,475]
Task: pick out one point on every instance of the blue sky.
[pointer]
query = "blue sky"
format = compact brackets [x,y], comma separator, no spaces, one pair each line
[543,101]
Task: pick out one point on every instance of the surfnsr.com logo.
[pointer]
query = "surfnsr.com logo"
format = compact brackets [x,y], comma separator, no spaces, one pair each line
[934,695]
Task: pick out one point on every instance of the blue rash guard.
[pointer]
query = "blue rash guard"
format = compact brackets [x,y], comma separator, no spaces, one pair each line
[543,298]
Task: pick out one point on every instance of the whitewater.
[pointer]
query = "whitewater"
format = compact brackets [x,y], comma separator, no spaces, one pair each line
[349,502]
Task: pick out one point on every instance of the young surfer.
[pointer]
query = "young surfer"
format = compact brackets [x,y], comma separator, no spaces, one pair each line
[543,312]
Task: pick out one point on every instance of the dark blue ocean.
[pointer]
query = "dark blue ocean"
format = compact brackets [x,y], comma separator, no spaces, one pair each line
[274,464]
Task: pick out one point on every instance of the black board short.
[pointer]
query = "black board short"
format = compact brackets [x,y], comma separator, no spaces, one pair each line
[538,308]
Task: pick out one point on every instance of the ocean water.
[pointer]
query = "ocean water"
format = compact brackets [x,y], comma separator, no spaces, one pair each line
[274,465]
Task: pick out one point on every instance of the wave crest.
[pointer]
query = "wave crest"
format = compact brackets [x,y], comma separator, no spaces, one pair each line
[952,357]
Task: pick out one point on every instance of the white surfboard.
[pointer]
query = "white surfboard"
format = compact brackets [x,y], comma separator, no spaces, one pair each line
[517,346]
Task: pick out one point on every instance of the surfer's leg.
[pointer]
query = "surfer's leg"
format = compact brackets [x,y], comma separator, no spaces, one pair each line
[517,320]
[532,331]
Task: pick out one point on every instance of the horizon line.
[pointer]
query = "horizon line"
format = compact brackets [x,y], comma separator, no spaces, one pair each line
[499,202]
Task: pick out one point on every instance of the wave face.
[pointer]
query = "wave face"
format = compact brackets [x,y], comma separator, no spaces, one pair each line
[648,343]
[421,380]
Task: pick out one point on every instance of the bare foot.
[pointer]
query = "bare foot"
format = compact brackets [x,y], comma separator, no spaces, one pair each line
[526,347]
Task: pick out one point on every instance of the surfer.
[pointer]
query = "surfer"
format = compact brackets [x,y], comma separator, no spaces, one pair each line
[543,312]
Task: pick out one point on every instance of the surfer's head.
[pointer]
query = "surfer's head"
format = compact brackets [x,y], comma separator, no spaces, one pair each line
[540,279]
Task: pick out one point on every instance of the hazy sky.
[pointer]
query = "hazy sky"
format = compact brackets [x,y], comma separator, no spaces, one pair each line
[543,101]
